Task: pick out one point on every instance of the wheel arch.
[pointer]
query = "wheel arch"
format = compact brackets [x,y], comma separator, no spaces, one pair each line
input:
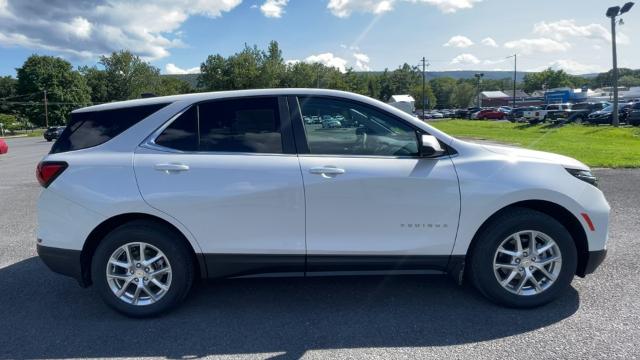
[99,232]
[559,213]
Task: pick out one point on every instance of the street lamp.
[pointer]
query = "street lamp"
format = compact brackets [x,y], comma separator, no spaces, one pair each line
[612,13]
[479,80]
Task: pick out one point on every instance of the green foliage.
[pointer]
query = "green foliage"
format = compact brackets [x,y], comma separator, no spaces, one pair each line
[549,79]
[128,76]
[7,86]
[462,95]
[9,123]
[170,85]
[66,89]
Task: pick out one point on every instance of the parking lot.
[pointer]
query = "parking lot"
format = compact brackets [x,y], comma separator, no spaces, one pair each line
[44,315]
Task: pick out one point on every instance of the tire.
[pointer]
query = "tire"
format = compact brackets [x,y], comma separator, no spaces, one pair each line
[179,260]
[485,253]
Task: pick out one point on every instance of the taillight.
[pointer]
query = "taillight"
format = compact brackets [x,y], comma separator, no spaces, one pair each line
[48,171]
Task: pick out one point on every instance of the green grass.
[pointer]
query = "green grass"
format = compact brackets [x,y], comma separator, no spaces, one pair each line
[597,146]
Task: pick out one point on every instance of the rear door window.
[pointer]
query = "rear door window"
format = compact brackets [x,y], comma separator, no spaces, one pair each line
[92,128]
[250,125]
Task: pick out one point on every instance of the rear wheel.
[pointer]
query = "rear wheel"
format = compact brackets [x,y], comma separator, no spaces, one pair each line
[142,269]
[523,259]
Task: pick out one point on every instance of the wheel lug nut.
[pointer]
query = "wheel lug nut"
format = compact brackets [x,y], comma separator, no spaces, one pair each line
[146,269]
[533,258]
[521,269]
[136,280]
[138,265]
[517,261]
[525,254]
[145,279]
[530,267]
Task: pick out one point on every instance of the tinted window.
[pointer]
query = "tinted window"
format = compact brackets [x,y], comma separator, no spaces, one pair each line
[348,128]
[582,106]
[92,128]
[182,134]
[238,125]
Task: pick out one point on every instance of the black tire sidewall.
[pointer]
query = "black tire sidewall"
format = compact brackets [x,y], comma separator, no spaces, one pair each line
[483,254]
[165,239]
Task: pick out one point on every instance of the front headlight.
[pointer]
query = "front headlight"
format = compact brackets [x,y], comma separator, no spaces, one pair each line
[584,175]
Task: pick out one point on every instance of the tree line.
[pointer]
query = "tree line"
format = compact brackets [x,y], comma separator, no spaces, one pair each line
[123,75]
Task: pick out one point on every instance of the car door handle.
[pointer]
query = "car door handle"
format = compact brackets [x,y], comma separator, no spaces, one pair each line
[171,167]
[326,171]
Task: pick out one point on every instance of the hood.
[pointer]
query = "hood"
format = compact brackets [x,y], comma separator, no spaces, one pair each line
[538,155]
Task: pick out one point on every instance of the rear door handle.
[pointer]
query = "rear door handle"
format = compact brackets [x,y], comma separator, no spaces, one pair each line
[326,171]
[171,167]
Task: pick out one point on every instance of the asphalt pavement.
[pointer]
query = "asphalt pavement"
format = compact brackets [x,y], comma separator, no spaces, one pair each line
[44,315]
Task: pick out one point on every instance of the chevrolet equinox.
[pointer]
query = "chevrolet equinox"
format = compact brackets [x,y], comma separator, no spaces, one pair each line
[141,197]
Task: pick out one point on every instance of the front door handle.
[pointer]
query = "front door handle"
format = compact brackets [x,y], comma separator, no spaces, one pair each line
[171,167]
[327,171]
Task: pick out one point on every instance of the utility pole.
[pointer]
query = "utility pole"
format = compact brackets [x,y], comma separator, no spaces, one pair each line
[612,13]
[425,63]
[46,110]
[479,78]
[515,72]
[515,62]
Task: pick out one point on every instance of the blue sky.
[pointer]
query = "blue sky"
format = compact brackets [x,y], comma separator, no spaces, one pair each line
[177,35]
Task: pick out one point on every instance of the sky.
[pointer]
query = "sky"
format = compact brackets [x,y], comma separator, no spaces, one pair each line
[178,35]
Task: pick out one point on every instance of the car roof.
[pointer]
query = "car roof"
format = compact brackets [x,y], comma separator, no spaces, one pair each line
[203,96]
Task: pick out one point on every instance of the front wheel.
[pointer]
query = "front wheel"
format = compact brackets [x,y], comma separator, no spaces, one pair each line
[142,269]
[523,259]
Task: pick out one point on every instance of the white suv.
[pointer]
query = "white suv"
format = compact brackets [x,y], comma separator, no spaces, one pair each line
[142,196]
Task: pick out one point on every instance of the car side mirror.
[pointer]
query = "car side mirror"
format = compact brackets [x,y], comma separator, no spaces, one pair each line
[430,147]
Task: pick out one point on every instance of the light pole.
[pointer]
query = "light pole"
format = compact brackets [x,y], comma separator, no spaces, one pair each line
[515,62]
[479,80]
[425,63]
[612,13]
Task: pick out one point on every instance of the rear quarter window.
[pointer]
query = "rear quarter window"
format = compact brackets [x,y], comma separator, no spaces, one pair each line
[92,128]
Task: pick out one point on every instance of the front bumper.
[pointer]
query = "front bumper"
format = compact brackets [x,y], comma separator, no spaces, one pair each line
[63,261]
[594,259]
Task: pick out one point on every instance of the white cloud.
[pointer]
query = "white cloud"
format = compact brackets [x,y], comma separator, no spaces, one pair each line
[172,69]
[273,8]
[537,45]
[328,59]
[94,27]
[489,42]
[562,29]
[344,8]
[459,41]
[362,61]
[465,59]
[574,67]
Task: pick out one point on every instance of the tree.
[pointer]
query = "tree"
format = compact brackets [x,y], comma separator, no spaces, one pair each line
[273,68]
[442,88]
[171,85]
[128,76]
[7,86]
[547,79]
[98,83]
[66,89]
[463,95]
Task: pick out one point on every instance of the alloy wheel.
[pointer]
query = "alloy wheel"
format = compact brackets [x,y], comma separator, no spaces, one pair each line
[527,262]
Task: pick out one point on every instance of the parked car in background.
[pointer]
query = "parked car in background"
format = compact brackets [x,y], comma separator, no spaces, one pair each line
[436,115]
[4,148]
[517,113]
[53,132]
[604,116]
[633,117]
[329,122]
[490,114]
[155,193]
[505,109]
[576,112]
